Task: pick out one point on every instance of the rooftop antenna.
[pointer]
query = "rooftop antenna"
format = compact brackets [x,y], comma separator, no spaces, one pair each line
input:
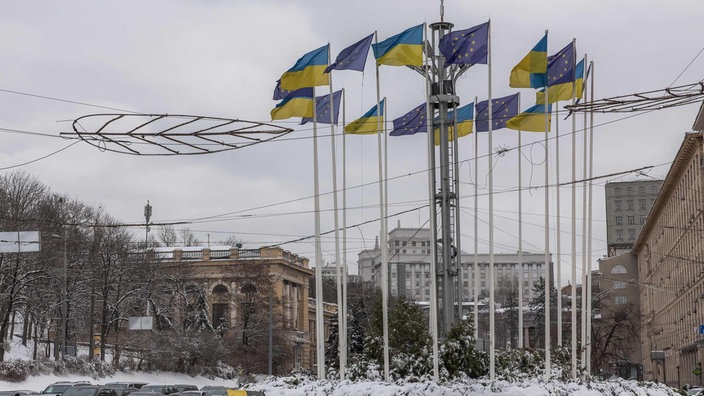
[442,11]
[147,217]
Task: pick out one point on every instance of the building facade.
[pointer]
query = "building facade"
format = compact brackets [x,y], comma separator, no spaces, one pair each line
[627,206]
[670,254]
[228,275]
[409,267]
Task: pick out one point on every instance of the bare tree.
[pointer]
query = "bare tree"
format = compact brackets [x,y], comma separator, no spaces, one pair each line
[188,238]
[167,235]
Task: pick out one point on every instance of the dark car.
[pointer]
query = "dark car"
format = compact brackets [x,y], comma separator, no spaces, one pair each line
[165,389]
[125,388]
[140,393]
[185,387]
[89,390]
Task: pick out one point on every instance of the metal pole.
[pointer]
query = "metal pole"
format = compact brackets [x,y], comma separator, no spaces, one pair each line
[64,315]
[492,275]
[547,238]
[319,316]
[558,233]
[271,331]
[520,242]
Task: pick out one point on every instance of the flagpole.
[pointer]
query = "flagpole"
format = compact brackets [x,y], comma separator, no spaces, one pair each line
[476,229]
[433,303]
[319,325]
[384,236]
[343,335]
[558,244]
[547,236]
[589,239]
[584,223]
[341,343]
[574,231]
[520,241]
[458,235]
[492,322]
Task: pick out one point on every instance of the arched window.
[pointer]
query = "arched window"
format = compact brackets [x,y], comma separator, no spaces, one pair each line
[618,269]
[221,306]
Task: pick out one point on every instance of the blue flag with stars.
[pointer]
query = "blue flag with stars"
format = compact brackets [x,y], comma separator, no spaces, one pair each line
[502,110]
[280,93]
[353,57]
[322,108]
[466,47]
[412,122]
[561,66]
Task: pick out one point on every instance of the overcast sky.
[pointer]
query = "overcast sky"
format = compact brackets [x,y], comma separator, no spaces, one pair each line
[222,58]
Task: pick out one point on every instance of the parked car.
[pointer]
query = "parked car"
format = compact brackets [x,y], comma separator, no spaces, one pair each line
[141,393]
[165,389]
[89,390]
[185,387]
[215,390]
[697,391]
[125,388]
[58,388]
[194,393]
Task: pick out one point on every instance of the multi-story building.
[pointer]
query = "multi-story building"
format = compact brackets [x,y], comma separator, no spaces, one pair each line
[627,206]
[409,267]
[228,274]
[670,254]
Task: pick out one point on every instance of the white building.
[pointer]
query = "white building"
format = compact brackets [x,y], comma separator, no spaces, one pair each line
[409,267]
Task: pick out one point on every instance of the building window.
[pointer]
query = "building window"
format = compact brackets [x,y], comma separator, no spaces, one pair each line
[619,220]
[629,202]
[618,191]
[641,190]
[427,274]
[617,203]
[619,235]
[642,220]
[631,220]
[631,235]
[618,269]
[413,243]
[641,204]
[620,299]
[630,190]
[619,285]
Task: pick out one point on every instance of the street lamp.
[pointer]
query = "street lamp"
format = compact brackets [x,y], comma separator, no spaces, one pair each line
[64,293]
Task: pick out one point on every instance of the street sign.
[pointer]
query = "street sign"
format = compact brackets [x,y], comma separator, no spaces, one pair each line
[140,322]
[701,329]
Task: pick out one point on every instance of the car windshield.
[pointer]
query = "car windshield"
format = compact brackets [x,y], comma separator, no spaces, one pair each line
[56,388]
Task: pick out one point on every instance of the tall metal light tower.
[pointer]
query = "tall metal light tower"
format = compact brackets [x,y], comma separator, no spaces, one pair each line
[441,99]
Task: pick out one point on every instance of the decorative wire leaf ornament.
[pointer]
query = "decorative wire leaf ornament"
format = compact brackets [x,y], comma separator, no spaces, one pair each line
[644,101]
[170,134]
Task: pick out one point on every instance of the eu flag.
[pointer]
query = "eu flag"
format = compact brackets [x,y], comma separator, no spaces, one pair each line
[502,110]
[353,57]
[561,66]
[279,93]
[322,109]
[412,122]
[466,47]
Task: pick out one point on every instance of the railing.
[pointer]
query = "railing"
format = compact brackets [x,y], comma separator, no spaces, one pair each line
[216,254]
[247,253]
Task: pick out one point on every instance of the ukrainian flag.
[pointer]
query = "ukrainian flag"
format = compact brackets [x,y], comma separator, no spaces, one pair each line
[531,120]
[563,91]
[403,49]
[298,103]
[465,123]
[308,71]
[530,71]
[369,123]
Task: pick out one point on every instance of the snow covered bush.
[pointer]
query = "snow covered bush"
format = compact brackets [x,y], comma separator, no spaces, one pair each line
[458,355]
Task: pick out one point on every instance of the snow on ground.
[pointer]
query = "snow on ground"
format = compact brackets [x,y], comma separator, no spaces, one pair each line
[302,386]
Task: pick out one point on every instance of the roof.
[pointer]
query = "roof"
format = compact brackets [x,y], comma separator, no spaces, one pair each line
[699,120]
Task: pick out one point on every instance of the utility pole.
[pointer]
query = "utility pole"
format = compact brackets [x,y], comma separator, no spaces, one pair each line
[147,217]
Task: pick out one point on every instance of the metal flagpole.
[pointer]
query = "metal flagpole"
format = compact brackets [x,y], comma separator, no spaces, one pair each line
[574,238]
[558,221]
[433,306]
[584,226]
[547,238]
[343,327]
[476,230]
[319,325]
[520,242]
[338,278]
[492,285]
[589,216]
[384,236]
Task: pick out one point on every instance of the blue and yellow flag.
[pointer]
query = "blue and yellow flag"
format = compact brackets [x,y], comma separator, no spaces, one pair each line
[322,109]
[369,123]
[502,110]
[531,120]
[466,47]
[353,57]
[308,71]
[563,91]
[298,103]
[530,71]
[465,123]
[403,49]
[413,122]
[561,66]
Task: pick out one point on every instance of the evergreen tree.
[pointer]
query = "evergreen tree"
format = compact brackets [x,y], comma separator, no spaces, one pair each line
[537,304]
[458,354]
